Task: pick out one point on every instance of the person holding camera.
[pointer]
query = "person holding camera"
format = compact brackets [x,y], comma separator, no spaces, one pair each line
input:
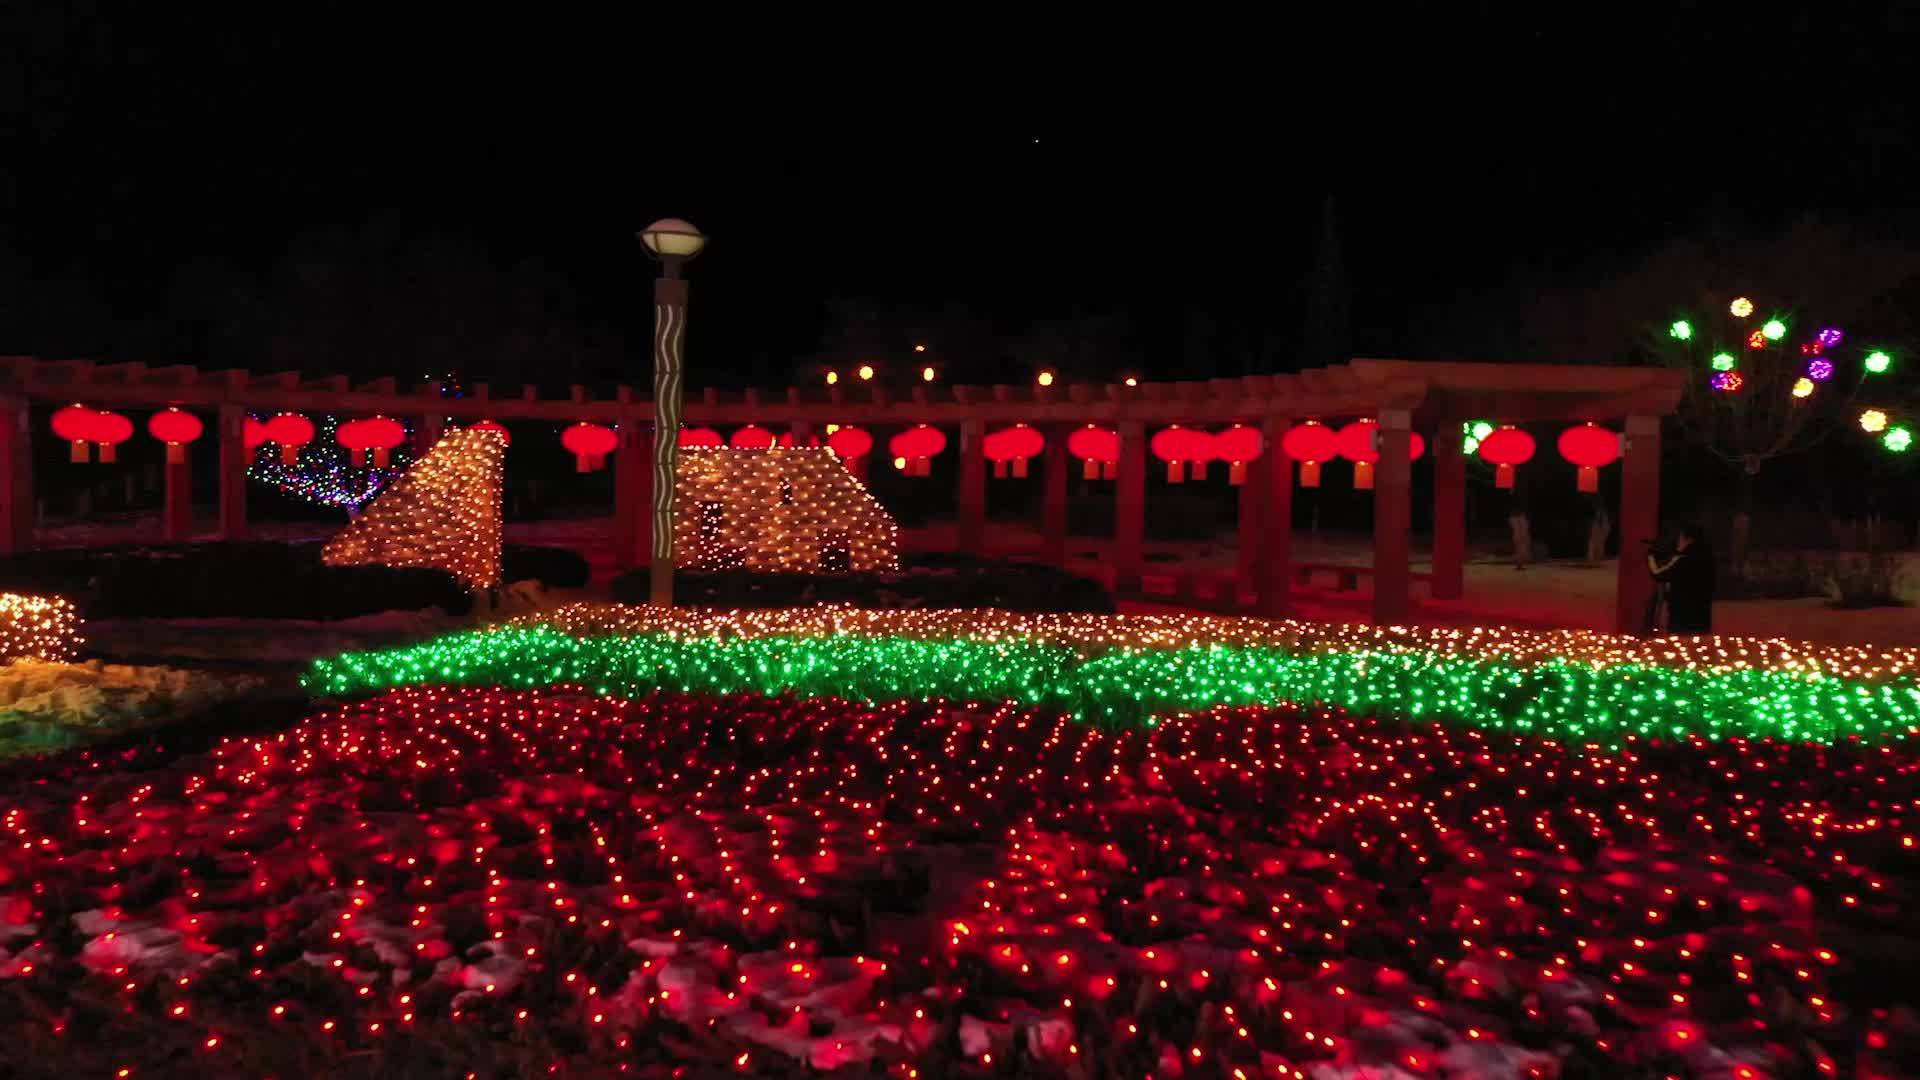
[1687,572]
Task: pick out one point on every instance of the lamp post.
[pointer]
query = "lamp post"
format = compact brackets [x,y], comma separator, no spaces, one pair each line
[673,242]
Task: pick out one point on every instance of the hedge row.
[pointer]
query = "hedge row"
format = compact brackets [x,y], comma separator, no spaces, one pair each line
[924,581]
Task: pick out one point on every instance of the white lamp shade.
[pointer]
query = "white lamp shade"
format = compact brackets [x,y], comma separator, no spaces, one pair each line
[672,238]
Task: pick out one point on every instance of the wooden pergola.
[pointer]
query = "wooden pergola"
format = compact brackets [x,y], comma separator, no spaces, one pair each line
[1403,396]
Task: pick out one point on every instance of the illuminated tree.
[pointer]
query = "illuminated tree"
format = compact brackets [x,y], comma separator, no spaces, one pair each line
[324,473]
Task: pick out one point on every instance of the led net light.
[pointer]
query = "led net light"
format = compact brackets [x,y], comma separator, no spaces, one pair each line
[1486,680]
[443,512]
[778,510]
[38,627]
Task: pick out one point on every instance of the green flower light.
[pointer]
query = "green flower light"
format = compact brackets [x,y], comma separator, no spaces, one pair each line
[1897,439]
[1878,362]
[1774,330]
[1681,330]
[1723,361]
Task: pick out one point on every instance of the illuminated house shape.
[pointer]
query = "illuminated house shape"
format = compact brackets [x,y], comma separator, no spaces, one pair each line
[443,512]
[778,511]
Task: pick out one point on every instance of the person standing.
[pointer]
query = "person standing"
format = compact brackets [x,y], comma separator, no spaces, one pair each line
[1688,575]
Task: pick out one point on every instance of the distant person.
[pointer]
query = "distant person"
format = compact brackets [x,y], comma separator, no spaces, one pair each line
[1688,575]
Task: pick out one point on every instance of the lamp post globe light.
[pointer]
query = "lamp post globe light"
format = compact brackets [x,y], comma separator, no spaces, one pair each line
[673,242]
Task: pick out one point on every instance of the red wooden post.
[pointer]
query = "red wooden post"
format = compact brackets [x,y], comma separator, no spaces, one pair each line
[17,508]
[1053,495]
[233,472]
[630,460]
[1254,493]
[1274,472]
[1639,522]
[971,534]
[176,515]
[1449,512]
[1392,517]
[426,433]
[1130,507]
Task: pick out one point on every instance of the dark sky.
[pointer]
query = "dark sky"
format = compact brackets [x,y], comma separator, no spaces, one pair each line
[152,164]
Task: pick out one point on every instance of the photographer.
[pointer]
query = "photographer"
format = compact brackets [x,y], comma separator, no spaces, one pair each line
[1688,574]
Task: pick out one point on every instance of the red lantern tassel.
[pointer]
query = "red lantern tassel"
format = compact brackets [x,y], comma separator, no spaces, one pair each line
[1020,468]
[1237,473]
[1109,470]
[1199,470]
[1363,476]
[1309,474]
[1175,472]
[1589,479]
[582,463]
[79,453]
[1089,470]
[380,458]
[1000,470]
[289,455]
[176,453]
[107,455]
[1503,476]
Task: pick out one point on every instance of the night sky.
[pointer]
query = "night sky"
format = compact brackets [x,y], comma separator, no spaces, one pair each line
[246,194]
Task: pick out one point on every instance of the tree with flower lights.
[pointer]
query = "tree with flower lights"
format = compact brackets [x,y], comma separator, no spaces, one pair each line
[324,473]
[1763,384]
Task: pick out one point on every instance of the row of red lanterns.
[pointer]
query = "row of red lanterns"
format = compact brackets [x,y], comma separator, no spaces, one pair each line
[1588,446]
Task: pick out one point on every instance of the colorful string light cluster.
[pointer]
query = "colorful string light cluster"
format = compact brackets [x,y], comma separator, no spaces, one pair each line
[323,471]
[1120,685]
[444,512]
[449,882]
[778,510]
[38,628]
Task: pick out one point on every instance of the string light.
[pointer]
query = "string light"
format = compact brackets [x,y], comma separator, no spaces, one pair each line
[1723,361]
[1741,307]
[323,472]
[1820,370]
[1045,378]
[1802,387]
[1873,421]
[38,628]
[865,372]
[1878,362]
[789,511]
[1607,690]
[1727,382]
[1897,439]
[444,512]
[1681,330]
[1774,330]
[832,377]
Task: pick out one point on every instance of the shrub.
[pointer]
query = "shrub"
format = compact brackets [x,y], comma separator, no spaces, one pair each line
[924,581]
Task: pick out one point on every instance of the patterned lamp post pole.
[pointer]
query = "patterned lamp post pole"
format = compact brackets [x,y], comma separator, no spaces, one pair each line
[673,242]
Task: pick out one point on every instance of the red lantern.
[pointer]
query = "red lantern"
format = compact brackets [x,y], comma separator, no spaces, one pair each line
[590,443]
[1236,446]
[786,441]
[751,438]
[1309,444]
[1016,445]
[110,429]
[1099,448]
[74,423]
[176,429]
[850,443]
[292,431]
[253,434]
[495,427]
[1506,447]
[379,434]
[1359,443]
[914,448]
[700,438]
[1592,448]
[1178,445]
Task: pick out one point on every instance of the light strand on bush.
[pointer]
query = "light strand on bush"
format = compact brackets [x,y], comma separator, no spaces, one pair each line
[38,627]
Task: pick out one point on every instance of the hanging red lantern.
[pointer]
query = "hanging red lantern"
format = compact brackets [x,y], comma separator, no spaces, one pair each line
[914,449]
[1506,447]
[1014,445]
[379,434]
[786,441]
[253,434]
[176,429]
[74,423]
[1592,448]
[700,438]
[292,431]
[1236,446]
[850,443]
[1098,448]
[493,426]
[751,438]
[110,429]
[590,444]
[1359,443]
[1177,446]
[1309,444]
